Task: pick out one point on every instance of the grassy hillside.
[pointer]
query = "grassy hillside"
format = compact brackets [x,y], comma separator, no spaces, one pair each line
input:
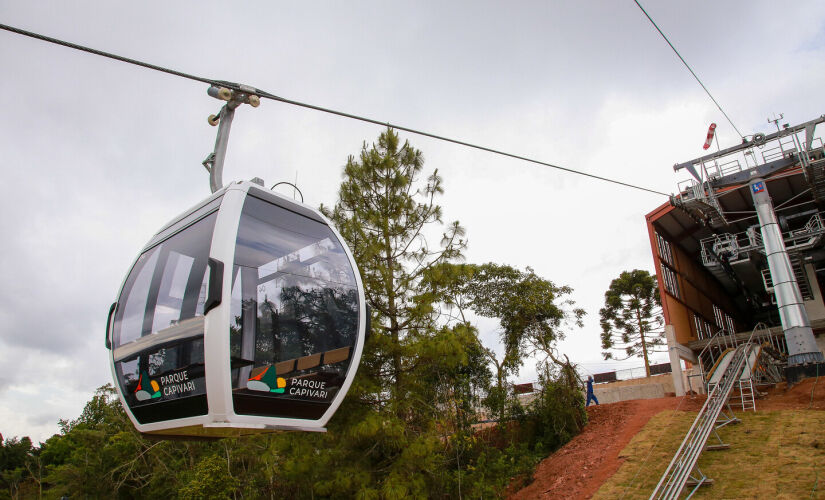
[773,454]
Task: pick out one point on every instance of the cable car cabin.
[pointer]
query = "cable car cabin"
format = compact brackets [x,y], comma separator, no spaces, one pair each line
[244,315]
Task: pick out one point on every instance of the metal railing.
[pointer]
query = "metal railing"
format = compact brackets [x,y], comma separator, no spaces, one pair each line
[722,340]
[801,280]
[784,148]
[631,373]
[776,151]
[807,236]
[718,343]
[745,159]
[690,190]
[732,245]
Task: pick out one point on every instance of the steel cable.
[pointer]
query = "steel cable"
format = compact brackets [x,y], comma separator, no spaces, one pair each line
[268,95]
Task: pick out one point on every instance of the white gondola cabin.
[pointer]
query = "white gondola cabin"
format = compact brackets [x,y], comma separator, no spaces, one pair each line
[245,314]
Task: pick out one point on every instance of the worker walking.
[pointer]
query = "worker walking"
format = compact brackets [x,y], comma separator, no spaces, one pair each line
[590,394]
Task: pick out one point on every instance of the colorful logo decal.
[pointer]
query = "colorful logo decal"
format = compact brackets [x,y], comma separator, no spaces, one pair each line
[151,389]
[266,380]
[758,187]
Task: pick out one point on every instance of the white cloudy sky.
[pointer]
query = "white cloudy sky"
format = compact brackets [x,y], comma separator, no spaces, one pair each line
[96,155]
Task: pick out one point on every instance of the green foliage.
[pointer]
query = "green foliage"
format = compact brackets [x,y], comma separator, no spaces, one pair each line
[558,412]
[533,312]
[525,304]
[210,479]
[15,456]
[631,318]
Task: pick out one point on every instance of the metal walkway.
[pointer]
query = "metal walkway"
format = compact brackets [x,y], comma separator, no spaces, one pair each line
[682,470]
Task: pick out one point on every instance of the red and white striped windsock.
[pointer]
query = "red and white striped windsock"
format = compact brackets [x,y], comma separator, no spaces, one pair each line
[711,131]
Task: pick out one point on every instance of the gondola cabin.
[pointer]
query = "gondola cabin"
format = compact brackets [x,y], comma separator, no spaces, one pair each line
[245,314]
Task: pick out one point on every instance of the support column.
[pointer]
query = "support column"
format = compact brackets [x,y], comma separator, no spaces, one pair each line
[802,347]
[675,360]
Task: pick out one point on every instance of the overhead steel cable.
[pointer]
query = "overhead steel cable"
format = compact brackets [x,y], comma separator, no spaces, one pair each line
[105,54]
[456,141]
[688,67]
[267,95]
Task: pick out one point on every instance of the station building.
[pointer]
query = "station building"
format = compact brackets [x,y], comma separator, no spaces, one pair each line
[708,251]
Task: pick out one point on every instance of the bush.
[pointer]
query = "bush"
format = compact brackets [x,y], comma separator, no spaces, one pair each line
[556,415]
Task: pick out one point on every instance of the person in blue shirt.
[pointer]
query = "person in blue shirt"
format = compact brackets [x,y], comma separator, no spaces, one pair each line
[590,394]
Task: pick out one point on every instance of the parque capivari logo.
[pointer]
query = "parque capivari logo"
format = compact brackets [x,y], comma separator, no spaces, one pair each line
[147,388]
[266,380]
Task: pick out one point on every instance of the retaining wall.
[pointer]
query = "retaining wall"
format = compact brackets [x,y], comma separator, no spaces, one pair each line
[652,387]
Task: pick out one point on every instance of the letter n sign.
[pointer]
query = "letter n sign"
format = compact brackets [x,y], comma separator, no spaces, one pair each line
[758,187]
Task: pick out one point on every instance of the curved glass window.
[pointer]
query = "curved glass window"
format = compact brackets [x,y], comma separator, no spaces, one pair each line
[158,327]
[294,313]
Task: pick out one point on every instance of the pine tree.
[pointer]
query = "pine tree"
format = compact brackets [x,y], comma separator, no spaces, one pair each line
[412,384]
[386,214]
[631,318]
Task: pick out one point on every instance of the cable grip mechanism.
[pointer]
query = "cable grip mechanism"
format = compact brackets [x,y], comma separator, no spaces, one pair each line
[223,120]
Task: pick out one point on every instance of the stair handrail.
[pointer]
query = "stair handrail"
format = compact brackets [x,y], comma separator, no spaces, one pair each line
[714,339]
[759,326]
[762,328]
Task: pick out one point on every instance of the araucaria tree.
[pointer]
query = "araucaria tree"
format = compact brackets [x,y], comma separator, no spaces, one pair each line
[631,318]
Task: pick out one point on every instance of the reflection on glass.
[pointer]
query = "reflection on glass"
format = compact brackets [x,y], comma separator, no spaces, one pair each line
[273,239]
[163,360]
[317,260]
[294,310]
[166,286]
[294,320]
[135,307]
[172,288]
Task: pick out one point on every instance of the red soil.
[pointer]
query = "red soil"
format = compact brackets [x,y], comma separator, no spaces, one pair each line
[810,393]
[580,467]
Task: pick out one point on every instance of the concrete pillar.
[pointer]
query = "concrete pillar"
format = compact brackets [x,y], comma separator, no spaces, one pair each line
[675,360]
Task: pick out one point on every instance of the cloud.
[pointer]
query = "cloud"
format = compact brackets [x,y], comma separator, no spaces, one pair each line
[39,388]
[5,383]
[44,419]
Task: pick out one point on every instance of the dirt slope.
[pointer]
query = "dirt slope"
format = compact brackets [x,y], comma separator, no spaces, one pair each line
[579,468]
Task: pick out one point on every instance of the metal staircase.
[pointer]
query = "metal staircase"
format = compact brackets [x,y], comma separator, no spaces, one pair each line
[767,369]
[746,394]
[682,470]
[801,278]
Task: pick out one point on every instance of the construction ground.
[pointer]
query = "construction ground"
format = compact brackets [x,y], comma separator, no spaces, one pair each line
[777,451]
